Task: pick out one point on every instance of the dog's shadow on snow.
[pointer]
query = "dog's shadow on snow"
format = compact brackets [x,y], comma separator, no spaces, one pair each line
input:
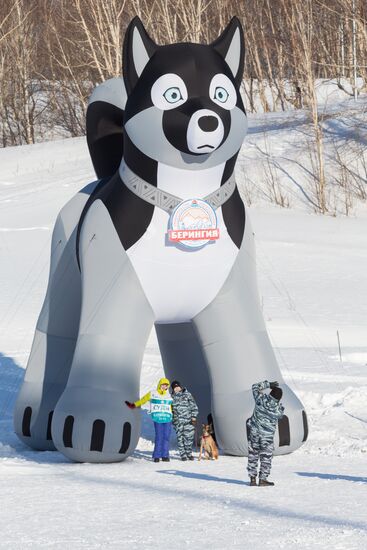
[203,477]
[354,479]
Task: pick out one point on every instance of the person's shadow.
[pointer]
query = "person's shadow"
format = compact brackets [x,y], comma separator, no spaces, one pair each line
[355,479]
[203,477]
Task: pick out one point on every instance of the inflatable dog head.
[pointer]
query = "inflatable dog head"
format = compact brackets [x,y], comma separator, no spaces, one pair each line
[183,106]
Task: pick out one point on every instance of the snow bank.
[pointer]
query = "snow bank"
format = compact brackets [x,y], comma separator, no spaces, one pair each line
[338,422]
[312,282]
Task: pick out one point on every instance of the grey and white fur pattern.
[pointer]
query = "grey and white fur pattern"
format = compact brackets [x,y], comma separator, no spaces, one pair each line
[260,453]
[177,121]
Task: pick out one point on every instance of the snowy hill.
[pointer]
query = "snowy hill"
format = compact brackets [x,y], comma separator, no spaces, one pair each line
[312,279]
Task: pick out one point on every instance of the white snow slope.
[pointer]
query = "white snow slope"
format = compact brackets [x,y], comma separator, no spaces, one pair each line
[312,278]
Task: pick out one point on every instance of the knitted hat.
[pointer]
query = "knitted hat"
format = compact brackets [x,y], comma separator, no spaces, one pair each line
[276,393]
[175,384]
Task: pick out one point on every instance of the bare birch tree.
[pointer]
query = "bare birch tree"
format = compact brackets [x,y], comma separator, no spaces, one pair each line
[66,47]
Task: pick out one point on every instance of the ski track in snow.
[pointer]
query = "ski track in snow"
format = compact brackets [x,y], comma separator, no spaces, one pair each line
[312,282]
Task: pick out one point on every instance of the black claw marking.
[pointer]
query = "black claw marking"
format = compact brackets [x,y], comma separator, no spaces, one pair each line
[26,423]
[126,436]
[96,443]
[68,431]
[49,437]
[305,426]
[284,432]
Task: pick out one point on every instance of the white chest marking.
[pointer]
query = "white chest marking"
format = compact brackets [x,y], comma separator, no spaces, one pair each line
[180,283]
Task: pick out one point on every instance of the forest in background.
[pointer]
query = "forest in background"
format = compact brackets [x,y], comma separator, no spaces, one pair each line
[53,52]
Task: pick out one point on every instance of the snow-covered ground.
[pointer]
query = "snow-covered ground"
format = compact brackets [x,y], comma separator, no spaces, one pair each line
[279,161]
[312,278]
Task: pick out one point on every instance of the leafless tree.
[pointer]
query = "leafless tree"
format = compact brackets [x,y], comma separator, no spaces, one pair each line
[63,48]
[21,99]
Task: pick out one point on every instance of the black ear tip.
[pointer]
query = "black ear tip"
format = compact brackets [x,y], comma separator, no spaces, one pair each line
[135,21]
[237,23]
[234,22]
[229,31]
[136,53]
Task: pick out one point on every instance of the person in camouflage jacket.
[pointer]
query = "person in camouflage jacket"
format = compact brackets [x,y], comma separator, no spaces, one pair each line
[185,411]
[261,428]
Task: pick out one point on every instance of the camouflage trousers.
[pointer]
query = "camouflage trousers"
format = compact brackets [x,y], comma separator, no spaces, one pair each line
[185,438]
[261,448]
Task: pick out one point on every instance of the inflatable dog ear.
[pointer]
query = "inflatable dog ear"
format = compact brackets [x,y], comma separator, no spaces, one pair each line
[105,113]
[138,49]
[230,45]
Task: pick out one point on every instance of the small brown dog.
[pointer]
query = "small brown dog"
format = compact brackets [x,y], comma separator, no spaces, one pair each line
[207,443]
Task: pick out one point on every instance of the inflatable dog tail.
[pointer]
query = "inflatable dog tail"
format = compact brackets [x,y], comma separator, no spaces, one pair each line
[105,115]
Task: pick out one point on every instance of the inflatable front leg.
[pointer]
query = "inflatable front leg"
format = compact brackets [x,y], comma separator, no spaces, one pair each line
[238,353]
[183,360]
[91,422]
[56,333]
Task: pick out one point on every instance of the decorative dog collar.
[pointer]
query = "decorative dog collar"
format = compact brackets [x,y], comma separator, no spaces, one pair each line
[192,222]
[167,201]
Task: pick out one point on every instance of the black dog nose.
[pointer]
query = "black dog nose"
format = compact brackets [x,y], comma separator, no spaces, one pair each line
[208,123]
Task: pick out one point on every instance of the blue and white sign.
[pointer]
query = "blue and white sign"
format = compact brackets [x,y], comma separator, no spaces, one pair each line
[161,407]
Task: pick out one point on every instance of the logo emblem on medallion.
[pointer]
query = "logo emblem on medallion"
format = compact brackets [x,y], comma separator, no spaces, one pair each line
[193,223]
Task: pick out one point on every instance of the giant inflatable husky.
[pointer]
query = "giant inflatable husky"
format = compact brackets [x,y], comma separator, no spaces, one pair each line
[162,238]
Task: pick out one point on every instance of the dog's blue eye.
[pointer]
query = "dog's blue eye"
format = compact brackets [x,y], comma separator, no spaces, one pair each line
[172,95]
[221,94]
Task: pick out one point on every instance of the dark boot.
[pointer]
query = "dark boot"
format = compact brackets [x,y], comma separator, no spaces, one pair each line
[253,482]
[265,483]
[165,459]
[184,459]
[155,459]
[191,457]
